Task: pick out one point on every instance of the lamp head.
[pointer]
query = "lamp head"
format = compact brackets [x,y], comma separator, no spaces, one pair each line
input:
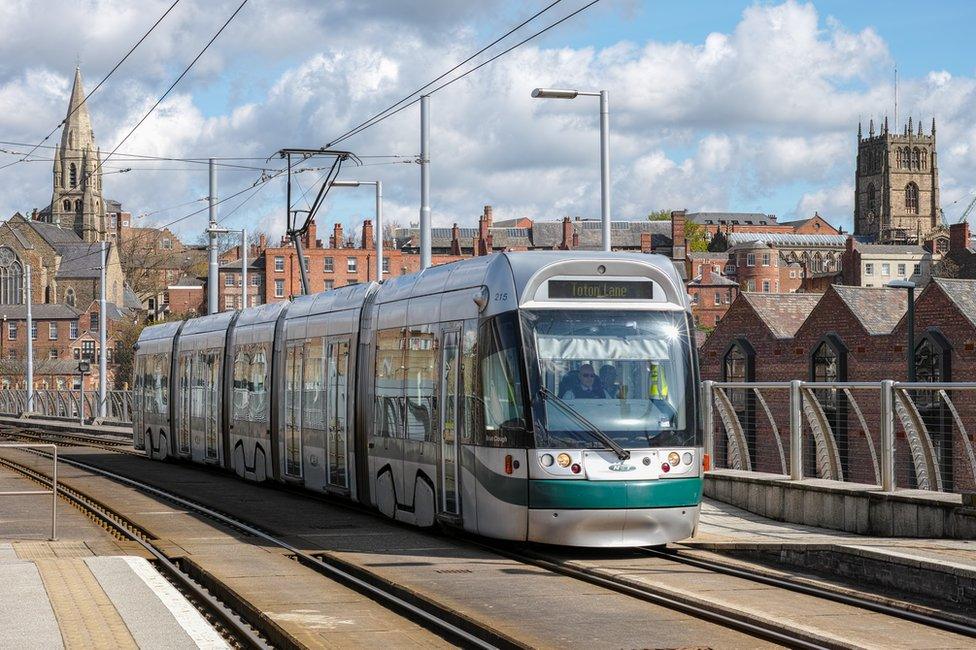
[553,93]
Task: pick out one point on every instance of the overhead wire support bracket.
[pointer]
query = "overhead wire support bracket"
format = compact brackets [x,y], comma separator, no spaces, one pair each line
[295,232]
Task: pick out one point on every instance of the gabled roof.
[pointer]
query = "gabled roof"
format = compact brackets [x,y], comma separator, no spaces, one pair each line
[782,313]
[42,311]
[80,260]
[789,239]
[716,281]
[889,249]
[878,309]
[733,218]
[962,293]
[54,234]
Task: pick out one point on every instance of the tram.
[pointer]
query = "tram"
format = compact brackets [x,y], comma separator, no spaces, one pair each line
[537,396]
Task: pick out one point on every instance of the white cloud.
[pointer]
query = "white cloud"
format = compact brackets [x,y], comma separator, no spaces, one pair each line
[734,120]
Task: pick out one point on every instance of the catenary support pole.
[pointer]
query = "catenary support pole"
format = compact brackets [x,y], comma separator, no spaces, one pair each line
[378,231]
[796,430]
[102,338]
[244,287]
[425,251]
[212,275]
[605,166]
[30,339]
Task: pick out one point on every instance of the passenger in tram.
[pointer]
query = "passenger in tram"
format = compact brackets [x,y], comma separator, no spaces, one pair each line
[608,379]
[589,386]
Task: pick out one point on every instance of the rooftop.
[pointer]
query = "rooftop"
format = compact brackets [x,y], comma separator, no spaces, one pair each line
[782,313]
[786,239]
[878,309]
[732,218]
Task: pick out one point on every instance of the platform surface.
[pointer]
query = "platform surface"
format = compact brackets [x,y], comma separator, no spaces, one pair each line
[723,524]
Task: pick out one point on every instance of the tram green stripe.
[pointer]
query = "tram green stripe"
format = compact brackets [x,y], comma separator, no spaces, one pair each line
[596,495]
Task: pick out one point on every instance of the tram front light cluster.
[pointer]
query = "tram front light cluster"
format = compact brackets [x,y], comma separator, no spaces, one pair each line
[687,457]
[674,458]
[547,460]
[564,460]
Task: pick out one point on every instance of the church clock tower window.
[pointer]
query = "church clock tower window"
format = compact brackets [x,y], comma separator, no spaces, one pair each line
[911,198]
[73,175]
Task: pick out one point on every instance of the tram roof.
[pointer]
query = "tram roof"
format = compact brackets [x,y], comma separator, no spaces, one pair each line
[521,266]
[261,314]
[209,323]
[161,331]
[351,296]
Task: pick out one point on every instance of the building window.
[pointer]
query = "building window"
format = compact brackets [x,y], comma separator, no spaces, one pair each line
[765,286]
[88,350]
[166,297]
[793,274]
[73,330]
[718,298]
[885,268]
[229,302]
[351,264]
[386,265]
[305,260]
[52,353]
[329,284]
[255,280]
[279,288]
[12,330]
[869,269]
[826,367]
[229,280]
[872,197]
[765,259]
[52,330]
[911,198]
[73,175]
[730,269]
[76,352]
[166,244]
[12,282]
[66,205]
[69,297]
[93,321]
[279,264]
[329,265]
[750,285]
[917,270]
[750,259]
[901,269]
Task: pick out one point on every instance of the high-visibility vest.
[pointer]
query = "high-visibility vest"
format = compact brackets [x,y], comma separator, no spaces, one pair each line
[659,383]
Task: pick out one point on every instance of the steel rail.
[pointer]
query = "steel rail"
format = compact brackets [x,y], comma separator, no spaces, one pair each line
[818,592]
[242,630]
[434,616]
[713,613]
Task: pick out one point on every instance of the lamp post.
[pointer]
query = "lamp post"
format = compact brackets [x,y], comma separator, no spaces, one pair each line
[243,232]
[378,225]
[549,93]
[910,349]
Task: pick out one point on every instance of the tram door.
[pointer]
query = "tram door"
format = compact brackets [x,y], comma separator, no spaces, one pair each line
[186,392]
[450,373]
[212,411]
[337,396]
[293,411]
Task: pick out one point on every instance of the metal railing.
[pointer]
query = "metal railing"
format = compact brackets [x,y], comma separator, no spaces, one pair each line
[889,435]
[54,480]
[68,404]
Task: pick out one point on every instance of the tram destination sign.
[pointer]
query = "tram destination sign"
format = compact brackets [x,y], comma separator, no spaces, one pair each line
[601,289]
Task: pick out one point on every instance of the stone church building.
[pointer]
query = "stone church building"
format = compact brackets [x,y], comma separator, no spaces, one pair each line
[61,245]
[896,195]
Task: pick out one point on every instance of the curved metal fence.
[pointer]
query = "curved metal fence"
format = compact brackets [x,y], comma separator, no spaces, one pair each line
[66,404]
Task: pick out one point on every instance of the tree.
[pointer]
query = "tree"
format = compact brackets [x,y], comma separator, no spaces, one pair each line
[659,215]
[125,338]
[390,226]
[695,235]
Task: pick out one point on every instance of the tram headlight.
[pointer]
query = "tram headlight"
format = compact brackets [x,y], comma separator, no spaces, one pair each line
[547,460]
[564,459]
[674,458]
[687,458]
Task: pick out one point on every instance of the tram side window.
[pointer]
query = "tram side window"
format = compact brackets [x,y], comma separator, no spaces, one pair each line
[421,382]
[258,386]
[501,383]
[471,413]
[197,384]
[313,400]
[388,379]
[240,385]
[163,383]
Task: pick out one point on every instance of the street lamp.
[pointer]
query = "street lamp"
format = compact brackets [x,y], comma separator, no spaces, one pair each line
[549,93]
[378,226]
[910,354]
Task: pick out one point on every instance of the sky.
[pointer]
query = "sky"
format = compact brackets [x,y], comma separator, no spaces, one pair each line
[714,105]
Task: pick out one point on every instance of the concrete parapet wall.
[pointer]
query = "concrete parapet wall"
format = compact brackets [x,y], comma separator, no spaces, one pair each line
[850,507]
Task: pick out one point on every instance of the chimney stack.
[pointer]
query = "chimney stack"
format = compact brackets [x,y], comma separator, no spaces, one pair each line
[568,232]
[958,236]
[678,244]
[367,234]
[487,215]
[336,240]
[455,240]
[310,237]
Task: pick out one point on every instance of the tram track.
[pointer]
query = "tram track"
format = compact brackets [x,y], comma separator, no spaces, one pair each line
[441,620]
[726,616]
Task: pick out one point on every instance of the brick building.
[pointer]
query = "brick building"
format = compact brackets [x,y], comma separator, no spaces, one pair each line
[849,334]
[874,265]
[711,295]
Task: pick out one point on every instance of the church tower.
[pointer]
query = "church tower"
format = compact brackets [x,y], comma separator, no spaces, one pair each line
[896,185]
[77,199]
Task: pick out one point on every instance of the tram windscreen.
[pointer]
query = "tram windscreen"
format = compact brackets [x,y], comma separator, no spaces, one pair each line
[626,372]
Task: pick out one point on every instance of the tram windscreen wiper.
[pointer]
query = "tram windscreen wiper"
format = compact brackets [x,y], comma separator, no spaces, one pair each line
[590,428]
